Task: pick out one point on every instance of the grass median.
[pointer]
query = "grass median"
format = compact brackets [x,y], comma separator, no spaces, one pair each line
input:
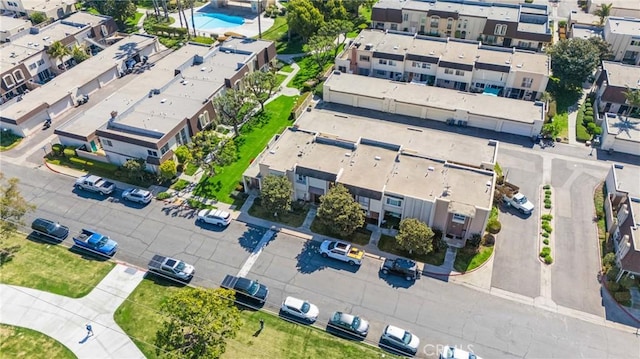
[13,340]
[51,267]
[138,316]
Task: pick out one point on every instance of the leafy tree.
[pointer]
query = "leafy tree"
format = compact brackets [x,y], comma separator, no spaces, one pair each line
[232,107]
[339,212]
[12,208]
[331,9]
[261,85]
[603,12]
[415,236]
[198,323]
[79,53]
[37,17]
[603,47]
[319,48]
[276,194]
[208,151]
[303,18]
[120,10]
[182,154]
[633,99]
[58,51]
[551,129]
[573,61]
[352,6]
[593,129]
[135,168]
[333,29]
[168,170]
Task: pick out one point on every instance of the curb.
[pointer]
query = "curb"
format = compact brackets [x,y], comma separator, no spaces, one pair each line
[458,274]
[46,164]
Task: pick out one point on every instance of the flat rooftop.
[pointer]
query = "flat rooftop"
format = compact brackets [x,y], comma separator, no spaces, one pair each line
[437,144]
[368,167]
[620,4]
[623,25]
[44,5]
[585,31]
[583,18]
[623,128]
[62,85]
[429,96]
[8,23]
[627,177]
[622,75]
[424,178]
[244,44]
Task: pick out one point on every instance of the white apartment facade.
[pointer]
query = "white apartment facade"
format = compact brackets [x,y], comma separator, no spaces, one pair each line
[623,34]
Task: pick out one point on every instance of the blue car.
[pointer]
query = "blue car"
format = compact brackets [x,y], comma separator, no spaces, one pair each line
[96,243]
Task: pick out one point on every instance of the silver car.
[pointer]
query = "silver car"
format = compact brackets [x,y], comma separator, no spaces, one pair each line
[137,195]
[398,339]
[300,309]
[216,217]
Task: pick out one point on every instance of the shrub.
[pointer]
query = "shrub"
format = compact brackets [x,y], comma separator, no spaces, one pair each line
[547,228]
[547,192]
[612,273]
[488,240]
[545,241]
[626,282]
[608,261]
[613,286]
[546,217]
[546,186]
[547,200]
[545,234]
[182,154]
[494,226]
[547,206]
[475,239]
[163,195]
[588,112]
[547,197]
[545,251]
[548,259]
[180,185]
[562,23]
[622,297]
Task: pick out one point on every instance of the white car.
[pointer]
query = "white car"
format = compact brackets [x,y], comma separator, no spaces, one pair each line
[216,217]
[137,195]
[449,352]
[400,340]
[300,309]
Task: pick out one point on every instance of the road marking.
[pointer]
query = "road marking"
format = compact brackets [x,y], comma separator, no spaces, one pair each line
[246,267]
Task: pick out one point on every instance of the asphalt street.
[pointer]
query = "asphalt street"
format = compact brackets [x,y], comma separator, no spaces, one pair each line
[439,313]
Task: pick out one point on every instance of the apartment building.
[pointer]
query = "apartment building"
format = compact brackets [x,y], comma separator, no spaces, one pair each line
[612,82]
[462,65]
[623,34]
[392,172]
[24,62]
[170,103]
[53,9]
[620,133]
[622,210]
[523,26]
[10,26]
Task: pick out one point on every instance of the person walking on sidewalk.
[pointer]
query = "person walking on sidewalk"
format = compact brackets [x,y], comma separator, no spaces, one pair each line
[89,330]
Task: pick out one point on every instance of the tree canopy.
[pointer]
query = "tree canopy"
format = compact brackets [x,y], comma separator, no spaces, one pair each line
[120,10]
[276,194]
[209,150]
[182,154]
[633,99]
[603,12]
[168,169]
[573,61]
[58,51]
[232,107]
[79,53]
[37,17]
[261,85]
[135,167]
[415,236]
[198,323]
[339,212]
[303,18]
[12,208]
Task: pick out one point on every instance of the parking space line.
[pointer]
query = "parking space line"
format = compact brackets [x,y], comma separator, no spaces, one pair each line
[246,267]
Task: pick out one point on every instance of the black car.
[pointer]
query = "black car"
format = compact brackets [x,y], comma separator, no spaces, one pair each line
[348,324]
[246,289]
[50,229]
[401,267]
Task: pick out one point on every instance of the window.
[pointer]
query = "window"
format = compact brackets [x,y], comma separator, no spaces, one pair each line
[152,153]
[301,179]
[464,26]
[449,23]
[18,75]
[392,63]
[405,17]
[364,58]
[459,73]
[448,71]
[183,134]
[479,85]
[178,140]
[165,148]
[204,119]
[500,30]
[426,65]
[527,82]
[381,73]
[32,66]
[40,62]
[635,42]
[415,64]
[435,21]
[524,44]
[8,81]
[394,26]
[396,202]
[458,218]
[382,61]
[363,201]
[106,142]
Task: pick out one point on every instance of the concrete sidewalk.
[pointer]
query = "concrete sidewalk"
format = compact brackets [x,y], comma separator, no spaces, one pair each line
[64,319]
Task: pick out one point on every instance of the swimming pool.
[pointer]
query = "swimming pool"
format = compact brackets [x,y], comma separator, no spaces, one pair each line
[204,21]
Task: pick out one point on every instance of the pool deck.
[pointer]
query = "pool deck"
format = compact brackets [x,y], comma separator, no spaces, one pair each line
[248,29]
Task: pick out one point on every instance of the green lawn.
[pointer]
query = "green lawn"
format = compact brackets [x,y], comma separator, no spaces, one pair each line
[278,33]
[361,236]
[8,140]
[253,138]
[388,244]
[295,218]
[287,68]
[18,342]
[190,169]
[562,119]
[52,268]
[309,70]
[139,318]
[280,78]
[468,259]
[131,25]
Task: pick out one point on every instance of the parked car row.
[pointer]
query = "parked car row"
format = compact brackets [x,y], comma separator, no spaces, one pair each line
[87,240]
[99,185]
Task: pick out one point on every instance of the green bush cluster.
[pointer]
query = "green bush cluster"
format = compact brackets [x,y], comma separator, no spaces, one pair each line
[545,251]
[546,217]
[546,186]
[545,234]
[547,227]
[180,185]
[586,127]
[548,259]
[545,241]
[163,195]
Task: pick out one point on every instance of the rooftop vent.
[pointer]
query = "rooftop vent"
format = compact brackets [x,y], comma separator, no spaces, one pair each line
[461,56]
[431,168]
[377,158]
[203,69]
[348,154]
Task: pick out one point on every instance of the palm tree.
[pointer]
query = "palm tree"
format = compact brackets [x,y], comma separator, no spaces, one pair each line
[633,99]
[193,20]
[58,51]
[603,12]
[80,53]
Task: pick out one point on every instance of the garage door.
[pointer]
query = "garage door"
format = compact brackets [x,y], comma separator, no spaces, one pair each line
[624,146]
[437,114]
[408,110]
[108,77]
[479,122]
[370,103]
[522,129]
[89,88]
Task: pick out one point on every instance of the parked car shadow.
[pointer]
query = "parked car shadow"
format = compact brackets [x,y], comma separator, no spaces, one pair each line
[444,277]
[88,255]
[288,317]
[164,281]
[42,239]
[386,347]
[130,204]
[396,281]
[209,227]
[514,212]
[343,334]
[251,237]
[90,195]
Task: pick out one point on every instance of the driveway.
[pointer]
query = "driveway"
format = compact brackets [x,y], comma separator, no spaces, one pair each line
[516,268]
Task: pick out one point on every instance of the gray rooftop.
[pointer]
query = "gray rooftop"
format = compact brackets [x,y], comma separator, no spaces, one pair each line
[244,44]
[368,167]
[8,23]
[60,87]
[619,4]
[623,25]
[623,128]
[585,31]
[627,177]
[622,75]
[479,104]
[45,5]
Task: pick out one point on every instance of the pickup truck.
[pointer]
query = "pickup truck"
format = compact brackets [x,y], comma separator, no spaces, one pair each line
[95,242]
[512,197]
[342,251]
[402,267]
[170,267]
[95,184]
[247,289]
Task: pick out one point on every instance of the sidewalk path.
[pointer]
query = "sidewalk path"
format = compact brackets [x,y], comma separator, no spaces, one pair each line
[64,319]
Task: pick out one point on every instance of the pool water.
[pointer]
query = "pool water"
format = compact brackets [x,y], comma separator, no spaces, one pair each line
[205,21]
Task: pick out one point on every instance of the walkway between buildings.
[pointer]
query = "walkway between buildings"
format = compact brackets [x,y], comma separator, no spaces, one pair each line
[64,319]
